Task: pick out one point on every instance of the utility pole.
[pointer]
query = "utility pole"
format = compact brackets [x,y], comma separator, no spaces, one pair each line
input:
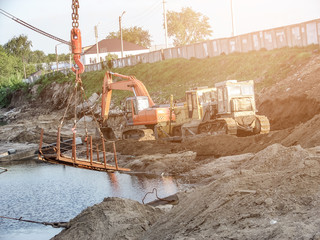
[165,23]
[57,58]
[121,33]
[96,34]
[57,68]
[232,33]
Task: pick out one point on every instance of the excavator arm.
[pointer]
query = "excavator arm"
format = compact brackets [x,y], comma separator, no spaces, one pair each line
[129,84]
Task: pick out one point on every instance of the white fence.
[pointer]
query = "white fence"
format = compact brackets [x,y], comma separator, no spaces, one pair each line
[301,34]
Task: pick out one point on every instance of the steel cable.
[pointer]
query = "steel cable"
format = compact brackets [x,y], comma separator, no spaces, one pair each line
[33,28]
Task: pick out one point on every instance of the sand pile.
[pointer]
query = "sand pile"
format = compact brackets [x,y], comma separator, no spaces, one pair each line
[273,194]
[114,218]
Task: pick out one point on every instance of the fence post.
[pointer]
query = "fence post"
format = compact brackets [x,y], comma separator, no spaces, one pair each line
[58,142]
[115,155]
[74,151]
[91,151]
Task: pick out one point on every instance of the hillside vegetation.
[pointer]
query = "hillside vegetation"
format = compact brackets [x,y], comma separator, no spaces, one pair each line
[175,76]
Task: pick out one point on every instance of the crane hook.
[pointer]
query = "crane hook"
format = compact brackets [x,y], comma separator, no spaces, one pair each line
[77,49]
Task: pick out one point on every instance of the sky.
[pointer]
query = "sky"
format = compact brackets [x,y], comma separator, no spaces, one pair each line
[54,17]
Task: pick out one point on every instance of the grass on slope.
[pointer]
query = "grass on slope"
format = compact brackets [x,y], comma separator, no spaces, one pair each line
[175,76]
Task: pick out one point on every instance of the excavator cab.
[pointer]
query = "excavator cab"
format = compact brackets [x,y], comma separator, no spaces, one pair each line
[134,105]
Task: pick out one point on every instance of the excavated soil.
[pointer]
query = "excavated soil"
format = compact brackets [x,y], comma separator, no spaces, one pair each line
[255,187]
[273,194]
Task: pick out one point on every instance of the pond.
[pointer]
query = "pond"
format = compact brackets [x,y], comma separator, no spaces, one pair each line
[45,192]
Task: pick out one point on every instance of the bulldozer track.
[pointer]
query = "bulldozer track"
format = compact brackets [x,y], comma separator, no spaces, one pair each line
[231,125]
[264,123]
[138,134]
[219,127]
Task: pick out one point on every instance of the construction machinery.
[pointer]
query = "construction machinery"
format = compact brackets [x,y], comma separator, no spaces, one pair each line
[141,114]
[229,108]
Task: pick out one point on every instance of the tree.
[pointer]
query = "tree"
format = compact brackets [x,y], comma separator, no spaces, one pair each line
[51,57]
[37,57]
[10,68]
[187,26]
[19,47]
[134,35]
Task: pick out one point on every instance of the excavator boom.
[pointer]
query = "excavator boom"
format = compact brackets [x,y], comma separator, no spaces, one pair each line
[129,84]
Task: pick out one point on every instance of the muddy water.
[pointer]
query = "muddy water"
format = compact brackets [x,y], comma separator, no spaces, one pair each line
[54,193]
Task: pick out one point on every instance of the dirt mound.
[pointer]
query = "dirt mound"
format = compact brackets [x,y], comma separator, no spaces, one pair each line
[306,134]
[114,218]
[175,163]
[288,112]
[55,96]
[19,98]
[304,81]
[272,195]
[293,100]
[136,148]
[203,145]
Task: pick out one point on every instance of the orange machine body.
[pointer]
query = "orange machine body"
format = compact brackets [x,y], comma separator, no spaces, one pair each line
[151,115]
[77,49]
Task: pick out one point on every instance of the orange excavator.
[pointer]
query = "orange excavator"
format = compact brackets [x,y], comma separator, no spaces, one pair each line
[141,113]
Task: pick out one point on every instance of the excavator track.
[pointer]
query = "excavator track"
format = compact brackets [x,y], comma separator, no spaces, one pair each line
[218,127]
[264,124]
[138,134]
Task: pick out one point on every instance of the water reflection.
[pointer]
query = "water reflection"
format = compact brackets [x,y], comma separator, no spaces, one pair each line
[47,192]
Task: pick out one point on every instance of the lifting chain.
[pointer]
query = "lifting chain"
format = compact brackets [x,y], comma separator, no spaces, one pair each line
[75,15]
[76,39]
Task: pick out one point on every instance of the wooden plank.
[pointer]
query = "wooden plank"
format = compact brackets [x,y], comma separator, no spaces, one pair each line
[82,163]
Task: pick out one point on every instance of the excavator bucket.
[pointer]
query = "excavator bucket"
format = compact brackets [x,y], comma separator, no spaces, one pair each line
[108,133]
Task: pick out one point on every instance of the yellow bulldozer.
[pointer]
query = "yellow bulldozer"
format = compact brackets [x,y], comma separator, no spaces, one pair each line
[228,108]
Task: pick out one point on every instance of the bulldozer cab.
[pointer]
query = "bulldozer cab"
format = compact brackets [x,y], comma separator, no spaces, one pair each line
[236,98]
[200,102]
[134,105]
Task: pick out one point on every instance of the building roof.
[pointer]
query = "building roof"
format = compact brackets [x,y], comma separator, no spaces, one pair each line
[114,45]
[87,47]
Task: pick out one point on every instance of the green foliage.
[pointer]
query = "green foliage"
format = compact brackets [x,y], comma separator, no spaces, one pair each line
[51,57]
[134,35]
[63,57]
[19,46]
[15,56]
[39,67]
[57,77]
[6,92]
[30,68]
[12,83]
[187,26]
[92,82]
[36,57]
[175,76]
[109,59]
[9,66]
[10,76]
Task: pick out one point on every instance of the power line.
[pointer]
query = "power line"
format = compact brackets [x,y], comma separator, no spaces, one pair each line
[138,19]
[144,13]
[8,15]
